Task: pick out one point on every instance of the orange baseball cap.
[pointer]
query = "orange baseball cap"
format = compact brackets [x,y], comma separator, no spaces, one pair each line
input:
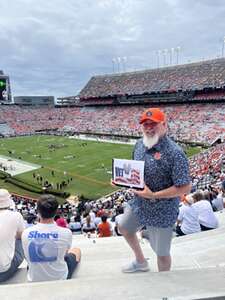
[154,114]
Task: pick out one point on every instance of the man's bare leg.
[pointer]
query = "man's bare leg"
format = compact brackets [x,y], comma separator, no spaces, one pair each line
[133,242]
[164,263]
[76,252]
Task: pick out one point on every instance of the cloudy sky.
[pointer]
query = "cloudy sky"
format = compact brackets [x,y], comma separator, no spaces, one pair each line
[53,47]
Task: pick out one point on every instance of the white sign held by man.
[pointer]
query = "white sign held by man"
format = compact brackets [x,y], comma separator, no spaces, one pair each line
[128,173]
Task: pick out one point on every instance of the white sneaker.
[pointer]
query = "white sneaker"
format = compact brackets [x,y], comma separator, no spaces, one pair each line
[134,266]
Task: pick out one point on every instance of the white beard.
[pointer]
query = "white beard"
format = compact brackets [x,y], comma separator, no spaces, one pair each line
[149,142]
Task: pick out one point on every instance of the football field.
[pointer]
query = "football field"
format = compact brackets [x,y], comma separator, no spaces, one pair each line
[84,166]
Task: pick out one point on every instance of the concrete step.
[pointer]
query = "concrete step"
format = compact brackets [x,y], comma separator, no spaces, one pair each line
[107,255]
[182,285]
[197,270]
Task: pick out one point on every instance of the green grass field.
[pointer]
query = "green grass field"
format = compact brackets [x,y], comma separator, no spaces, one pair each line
[89,170]
[88,163]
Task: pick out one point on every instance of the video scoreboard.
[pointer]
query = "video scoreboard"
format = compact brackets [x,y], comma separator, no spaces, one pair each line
[4,88]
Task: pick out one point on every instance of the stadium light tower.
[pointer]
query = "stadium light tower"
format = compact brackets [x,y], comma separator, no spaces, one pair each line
[124,60]
[113,63]
[158,57]
[118,63]
[223,46]
[178,52]
[171,55]
[165,51]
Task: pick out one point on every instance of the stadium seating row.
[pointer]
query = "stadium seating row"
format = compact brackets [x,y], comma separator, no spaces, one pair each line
[196,76]
[200,123]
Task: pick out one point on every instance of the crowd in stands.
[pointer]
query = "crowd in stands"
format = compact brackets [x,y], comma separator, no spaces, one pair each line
[196,212]
[101,217]
[34,227]
[195,76]
[216,95]
[199,123]
[208,167]
[98,217]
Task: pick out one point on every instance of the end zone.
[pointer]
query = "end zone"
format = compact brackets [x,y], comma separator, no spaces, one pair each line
[14,166]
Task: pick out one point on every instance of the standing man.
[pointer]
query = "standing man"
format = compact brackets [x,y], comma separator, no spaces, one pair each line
[11,228]
[166,177]
[47,246]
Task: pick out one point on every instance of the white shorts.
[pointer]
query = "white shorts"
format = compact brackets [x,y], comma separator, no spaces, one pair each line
[160,239]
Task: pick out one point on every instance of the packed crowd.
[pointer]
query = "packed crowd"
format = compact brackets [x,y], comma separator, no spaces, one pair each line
[196,212]
[200,123]
[216,95]
[85,217]
[81,217]
[88,217]
[40,231]
[208,167]
[195,76]
[33,227]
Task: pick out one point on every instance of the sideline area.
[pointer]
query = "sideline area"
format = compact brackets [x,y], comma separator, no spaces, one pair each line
[97,139]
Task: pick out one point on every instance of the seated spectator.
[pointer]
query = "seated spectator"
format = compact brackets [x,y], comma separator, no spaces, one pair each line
[207,218]
[104,228]
[218,202]
[30,220]
[60,221]
[75,224]
[47,246]
[92,215]
[11,228]
[98,219]
[187,221]
[88,227]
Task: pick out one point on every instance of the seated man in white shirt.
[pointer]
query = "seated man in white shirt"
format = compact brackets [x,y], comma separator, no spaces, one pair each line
[207,217]
[188,218]
[11,227]
[219,201]
[47,246]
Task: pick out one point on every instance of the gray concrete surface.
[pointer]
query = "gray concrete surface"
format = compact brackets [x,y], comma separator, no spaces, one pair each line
[184,284]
